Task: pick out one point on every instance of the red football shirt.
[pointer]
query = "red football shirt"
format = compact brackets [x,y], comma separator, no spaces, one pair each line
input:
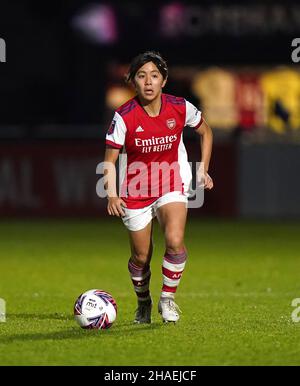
[154,159]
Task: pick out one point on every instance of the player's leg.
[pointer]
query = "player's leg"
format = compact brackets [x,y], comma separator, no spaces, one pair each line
[139,270]
[172,218]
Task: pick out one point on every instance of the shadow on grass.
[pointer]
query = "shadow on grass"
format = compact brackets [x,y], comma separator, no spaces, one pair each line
[120,329]
[63,317]
[54,316]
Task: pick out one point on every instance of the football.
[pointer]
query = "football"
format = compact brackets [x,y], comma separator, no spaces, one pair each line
[95,309]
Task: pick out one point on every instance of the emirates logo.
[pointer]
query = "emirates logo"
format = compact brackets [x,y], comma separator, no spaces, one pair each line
[171,123]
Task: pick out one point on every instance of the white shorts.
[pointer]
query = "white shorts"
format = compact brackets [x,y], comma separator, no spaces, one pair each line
[137,219]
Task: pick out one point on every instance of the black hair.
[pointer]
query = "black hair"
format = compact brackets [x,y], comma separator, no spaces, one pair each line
[141,59]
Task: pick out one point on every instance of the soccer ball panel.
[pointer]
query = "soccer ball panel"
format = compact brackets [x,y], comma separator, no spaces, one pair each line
[111,313]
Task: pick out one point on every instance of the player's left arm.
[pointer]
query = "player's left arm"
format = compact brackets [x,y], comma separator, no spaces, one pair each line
[206,142]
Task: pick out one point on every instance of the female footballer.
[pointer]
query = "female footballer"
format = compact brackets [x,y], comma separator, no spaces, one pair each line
[149,130]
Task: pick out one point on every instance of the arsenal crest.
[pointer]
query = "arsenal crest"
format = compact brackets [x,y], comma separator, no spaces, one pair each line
[171,123]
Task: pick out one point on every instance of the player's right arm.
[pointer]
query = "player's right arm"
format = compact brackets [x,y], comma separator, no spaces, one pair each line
[115,139]
[114,206]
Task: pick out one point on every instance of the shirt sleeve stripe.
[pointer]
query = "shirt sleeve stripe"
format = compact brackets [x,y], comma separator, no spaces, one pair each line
[199,124]
[113,144]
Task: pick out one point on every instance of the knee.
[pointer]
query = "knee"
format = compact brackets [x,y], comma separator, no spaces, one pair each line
[175,244]
[142,258]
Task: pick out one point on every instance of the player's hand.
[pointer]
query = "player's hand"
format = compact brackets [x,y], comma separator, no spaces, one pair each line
[205,180]
[114,206]
[208,182]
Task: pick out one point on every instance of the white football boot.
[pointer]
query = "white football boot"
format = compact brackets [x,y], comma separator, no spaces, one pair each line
[169,310]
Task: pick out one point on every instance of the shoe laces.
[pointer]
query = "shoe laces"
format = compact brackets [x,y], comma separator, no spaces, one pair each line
[173,306]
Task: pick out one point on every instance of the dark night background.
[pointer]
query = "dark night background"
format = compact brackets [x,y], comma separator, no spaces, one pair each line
[55,75]
[54,84]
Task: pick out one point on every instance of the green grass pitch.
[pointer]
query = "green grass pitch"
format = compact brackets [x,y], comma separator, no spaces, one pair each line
[235,295]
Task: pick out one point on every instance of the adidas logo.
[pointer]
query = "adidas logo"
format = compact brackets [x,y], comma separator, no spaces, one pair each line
[139,129]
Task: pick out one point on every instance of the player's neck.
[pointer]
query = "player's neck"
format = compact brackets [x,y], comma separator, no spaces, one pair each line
[152,108]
